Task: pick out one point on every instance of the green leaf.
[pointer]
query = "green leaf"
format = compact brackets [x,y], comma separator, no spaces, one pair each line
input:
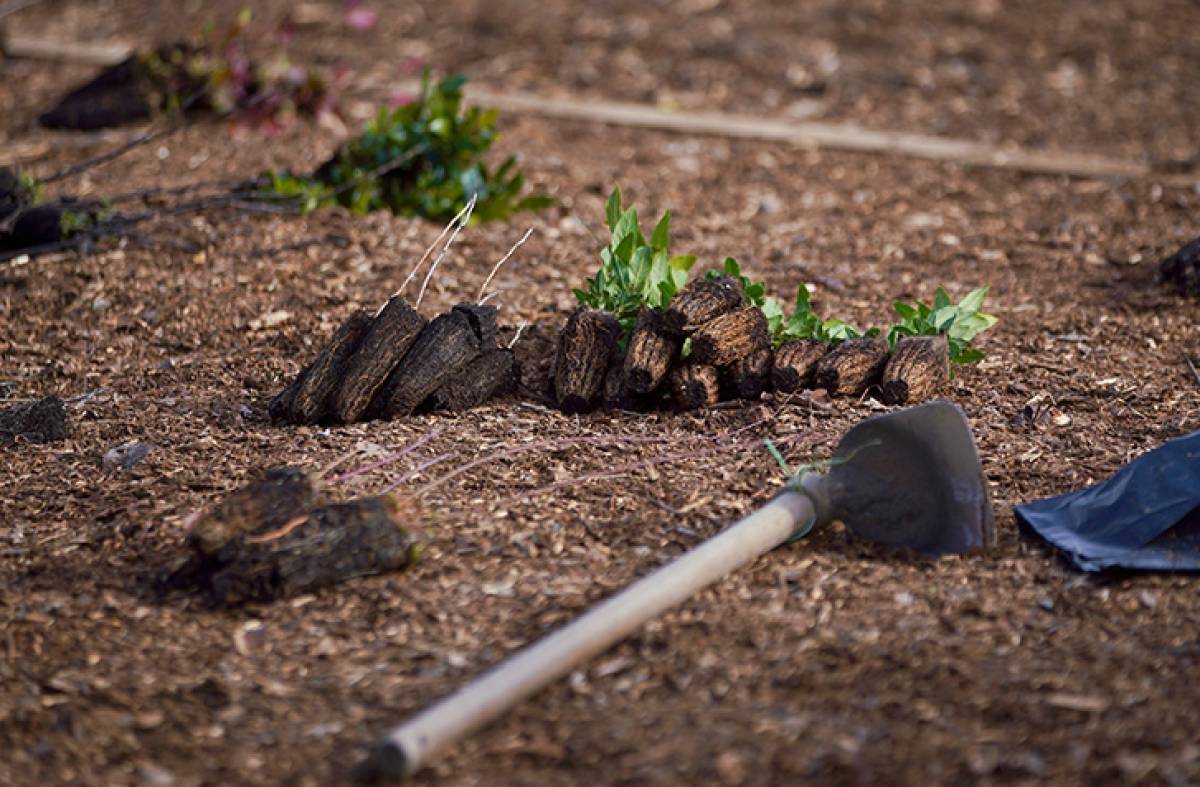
[940,299]
[974,300]
[660,238]
[612,209]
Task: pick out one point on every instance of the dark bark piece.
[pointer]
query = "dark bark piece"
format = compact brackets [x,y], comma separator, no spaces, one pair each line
[492,374]
[616,395]
[796,364]
[586,347]
[118,95]
[307,399]
[483,322]
[918,369]
[701,301]
[393,331]
[43,421]
[730,336]
[334,543]
[440,353]
[694,385]
[1182,269]
[749,376]
[262,506]
[652,349]
[852,367]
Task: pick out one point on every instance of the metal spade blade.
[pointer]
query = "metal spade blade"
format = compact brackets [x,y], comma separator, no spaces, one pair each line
[910,479]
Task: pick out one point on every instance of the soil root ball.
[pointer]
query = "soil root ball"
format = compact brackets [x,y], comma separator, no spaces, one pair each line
[306,400]
[115,97]
[262,506]
[392,333]
[852,367]
[439,354]
[652,349]
[796,364]
[731,336]
[748,377]
[483,321]
[701,301]
[695,385]
[43,421]
[585,349]
[492,374]
[918,369]
[331,544]
[1182,269]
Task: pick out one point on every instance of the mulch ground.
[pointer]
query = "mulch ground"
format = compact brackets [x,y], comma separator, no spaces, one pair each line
[830,660]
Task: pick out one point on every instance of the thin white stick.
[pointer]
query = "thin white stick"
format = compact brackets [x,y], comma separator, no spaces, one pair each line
[520,330]
[503,260]
[453,236]
[413,273]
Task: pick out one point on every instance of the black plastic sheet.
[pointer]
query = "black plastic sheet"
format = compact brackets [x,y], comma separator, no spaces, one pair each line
[1146,517]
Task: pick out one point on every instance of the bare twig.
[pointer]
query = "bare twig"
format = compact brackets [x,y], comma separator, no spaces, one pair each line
[503,260]
[388,459]
[413,273]
[417,471]
[450,242]
[520,330]
[1192,366]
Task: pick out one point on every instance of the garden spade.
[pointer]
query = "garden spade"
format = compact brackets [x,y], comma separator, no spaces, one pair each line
[911,478]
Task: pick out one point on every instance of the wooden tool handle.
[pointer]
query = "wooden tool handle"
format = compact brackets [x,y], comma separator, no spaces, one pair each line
[407,747]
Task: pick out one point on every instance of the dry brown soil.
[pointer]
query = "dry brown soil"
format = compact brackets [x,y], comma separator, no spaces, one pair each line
[828,661]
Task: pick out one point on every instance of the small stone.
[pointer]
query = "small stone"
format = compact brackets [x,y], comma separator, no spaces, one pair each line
[731,768]
[125,457]
[1149,600]
[155,775]
[904,599]
[250,637]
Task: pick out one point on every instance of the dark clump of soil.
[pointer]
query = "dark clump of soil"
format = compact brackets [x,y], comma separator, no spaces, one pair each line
[652,349]
[918,369]
[852,367]
[331,544]
[392,333]
[492,374]
[795,364]
[586,346]
[702,301]
[306,400]
[262,506]
[43,421]
[1182,269]
[442,350]
[695,385]
[129,92]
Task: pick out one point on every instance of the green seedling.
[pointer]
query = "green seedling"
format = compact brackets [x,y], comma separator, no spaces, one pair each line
[634,272]
[961,322]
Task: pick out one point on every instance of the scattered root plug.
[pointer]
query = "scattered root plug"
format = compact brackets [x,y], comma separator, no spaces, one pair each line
[731,336]
[749,376]
[586,346]
[329,545]
[796,364]
[440,353]
[918,369]
[852,367]
[392,333]
[695,385]
[492,374]
[305,400]
[702,301]
[652,350]
[262,506]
